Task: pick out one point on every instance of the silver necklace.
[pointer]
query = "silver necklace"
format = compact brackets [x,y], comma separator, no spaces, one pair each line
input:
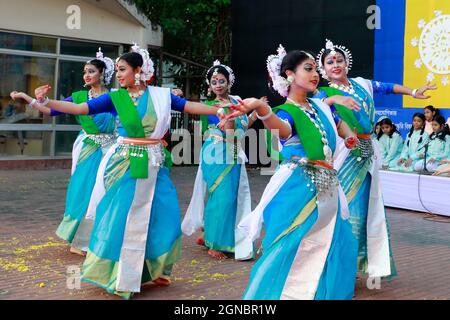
[92,94]
[135,96]
[315,119]
[350,90]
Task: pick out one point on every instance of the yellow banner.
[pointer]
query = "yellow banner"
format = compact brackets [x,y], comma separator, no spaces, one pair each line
[427,50]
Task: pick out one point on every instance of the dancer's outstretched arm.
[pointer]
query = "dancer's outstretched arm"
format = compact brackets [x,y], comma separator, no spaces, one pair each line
[21,95]
[270,120]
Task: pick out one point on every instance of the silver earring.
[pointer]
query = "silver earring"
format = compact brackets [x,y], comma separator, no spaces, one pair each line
[290,79]
[137,79]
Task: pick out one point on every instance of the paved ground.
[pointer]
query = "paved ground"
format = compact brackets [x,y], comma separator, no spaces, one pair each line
[34,263]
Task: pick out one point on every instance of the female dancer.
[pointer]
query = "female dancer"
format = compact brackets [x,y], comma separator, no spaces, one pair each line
[359,169]
[413,149]
[91,145]
[391,143]
[222,177]
[308,249]
[137,231]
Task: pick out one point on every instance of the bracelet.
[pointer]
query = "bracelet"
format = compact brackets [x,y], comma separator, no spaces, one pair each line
[32,103]
[252,116]
[267,116]
[221,113]
[413,93]
[46,101]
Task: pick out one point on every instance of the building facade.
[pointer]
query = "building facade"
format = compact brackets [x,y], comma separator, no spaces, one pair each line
[48,42]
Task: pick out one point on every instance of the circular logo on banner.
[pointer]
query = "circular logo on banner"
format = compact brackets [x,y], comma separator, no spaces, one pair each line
[434,47]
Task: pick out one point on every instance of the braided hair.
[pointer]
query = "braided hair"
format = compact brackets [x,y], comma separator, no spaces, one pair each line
[441,134]
[422,117]
[388,122]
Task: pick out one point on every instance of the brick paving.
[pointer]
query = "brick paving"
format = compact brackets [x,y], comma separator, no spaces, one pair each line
[34,262]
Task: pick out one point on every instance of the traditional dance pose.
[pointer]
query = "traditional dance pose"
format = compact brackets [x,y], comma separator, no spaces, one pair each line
[221,177]
[308,250]
[359,168]
[413,149]
[438,148]
[391,143]
[137,231]
[91,145]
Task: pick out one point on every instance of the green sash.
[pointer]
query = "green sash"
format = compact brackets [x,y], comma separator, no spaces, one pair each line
[86,122]
[346,114]
[309,135]
[131,121]
[204,119]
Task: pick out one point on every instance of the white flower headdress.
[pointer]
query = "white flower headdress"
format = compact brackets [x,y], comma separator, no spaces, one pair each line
[147,69]
[216,64]
[109,63]
[279,83]
[330,46]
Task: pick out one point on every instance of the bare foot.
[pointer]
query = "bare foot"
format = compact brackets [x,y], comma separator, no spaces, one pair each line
[77,251]
[219,255]
[162,281]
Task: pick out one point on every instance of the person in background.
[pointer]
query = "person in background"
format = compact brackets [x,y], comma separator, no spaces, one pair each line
[413,149]
[391,143]
[430,112]
[438,147]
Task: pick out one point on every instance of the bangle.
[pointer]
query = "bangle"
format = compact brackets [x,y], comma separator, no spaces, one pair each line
[252,116]
[46,101]
[221,112]
[413,93]
[267,116]
[32,103]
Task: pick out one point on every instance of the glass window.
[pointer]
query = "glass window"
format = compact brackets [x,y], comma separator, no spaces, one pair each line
[27,42]
[64,142]
[23,74]
[25,143]
[88,49]
[70,80]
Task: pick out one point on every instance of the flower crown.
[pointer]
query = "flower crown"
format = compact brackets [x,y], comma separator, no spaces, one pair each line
[330,46]
[147,69]
[230,72]
[279,83]
[109,63]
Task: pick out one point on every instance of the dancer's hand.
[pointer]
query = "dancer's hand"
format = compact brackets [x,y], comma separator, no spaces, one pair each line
[21,95]
[400,161]
[348,102]
[250,104]
[15,95]
[420,94]
[177,92]
[41,92]
[351,141]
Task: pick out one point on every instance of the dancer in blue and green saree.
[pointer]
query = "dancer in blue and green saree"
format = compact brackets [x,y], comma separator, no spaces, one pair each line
[137,231]
[221,177]
[308,250]
[93,142]
[359,168]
